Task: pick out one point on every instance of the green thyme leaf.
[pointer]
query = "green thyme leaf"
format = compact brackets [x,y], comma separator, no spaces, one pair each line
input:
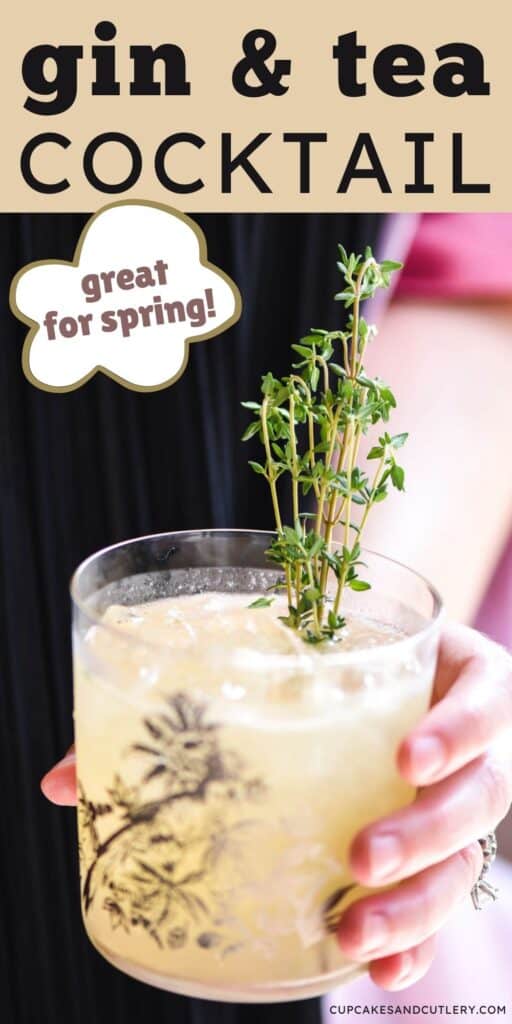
[375,453]
[302,350]
[252,429]
[399,440]
[397,477]
[356,584]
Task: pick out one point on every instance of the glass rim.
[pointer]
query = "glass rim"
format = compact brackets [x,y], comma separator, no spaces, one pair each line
[332,656]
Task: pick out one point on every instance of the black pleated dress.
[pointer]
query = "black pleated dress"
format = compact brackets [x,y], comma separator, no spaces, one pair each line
[83,470]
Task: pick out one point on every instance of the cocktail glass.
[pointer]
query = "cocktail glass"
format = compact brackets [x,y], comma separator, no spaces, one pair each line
[223,774]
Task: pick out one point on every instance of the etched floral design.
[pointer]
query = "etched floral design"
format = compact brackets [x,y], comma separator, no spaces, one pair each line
[333,908]
[167,832]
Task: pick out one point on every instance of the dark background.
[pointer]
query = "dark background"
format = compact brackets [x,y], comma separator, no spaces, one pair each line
[86,469]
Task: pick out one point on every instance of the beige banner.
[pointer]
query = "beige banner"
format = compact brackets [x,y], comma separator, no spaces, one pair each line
[470,132]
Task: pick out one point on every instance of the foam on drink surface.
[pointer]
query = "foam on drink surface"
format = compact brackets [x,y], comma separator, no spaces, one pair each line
[227,619]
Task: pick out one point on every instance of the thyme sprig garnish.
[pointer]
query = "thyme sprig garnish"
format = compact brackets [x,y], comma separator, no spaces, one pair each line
[310,424]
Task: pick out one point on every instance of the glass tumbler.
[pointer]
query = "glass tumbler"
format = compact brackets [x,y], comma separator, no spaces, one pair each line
[221,774]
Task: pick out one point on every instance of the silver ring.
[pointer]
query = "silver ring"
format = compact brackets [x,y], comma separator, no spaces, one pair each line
[482,892]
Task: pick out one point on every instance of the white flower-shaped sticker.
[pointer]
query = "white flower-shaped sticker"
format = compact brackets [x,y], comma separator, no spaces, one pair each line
[138,291]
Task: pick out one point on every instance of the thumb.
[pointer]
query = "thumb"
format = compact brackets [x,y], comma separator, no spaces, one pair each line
[59,784]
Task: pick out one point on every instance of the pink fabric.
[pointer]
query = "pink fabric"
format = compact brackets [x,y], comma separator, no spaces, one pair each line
[495,615]
[472,967]
[463,255]
[460,255]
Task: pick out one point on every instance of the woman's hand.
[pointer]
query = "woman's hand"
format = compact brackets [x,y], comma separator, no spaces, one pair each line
[430,848]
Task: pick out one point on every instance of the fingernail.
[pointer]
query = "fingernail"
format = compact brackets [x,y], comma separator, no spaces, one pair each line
[375,933]
[55,785]
[406,966]
[48,785]
[384,855]
[428,755]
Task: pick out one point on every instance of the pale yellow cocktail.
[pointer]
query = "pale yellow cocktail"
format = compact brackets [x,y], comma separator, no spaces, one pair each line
[224,768]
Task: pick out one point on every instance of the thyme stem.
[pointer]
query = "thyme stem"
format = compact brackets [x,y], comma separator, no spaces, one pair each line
[311,423]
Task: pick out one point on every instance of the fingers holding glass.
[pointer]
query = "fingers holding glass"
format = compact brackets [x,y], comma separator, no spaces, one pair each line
[444,818]
[474,710]
[403,969]
[400,919]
